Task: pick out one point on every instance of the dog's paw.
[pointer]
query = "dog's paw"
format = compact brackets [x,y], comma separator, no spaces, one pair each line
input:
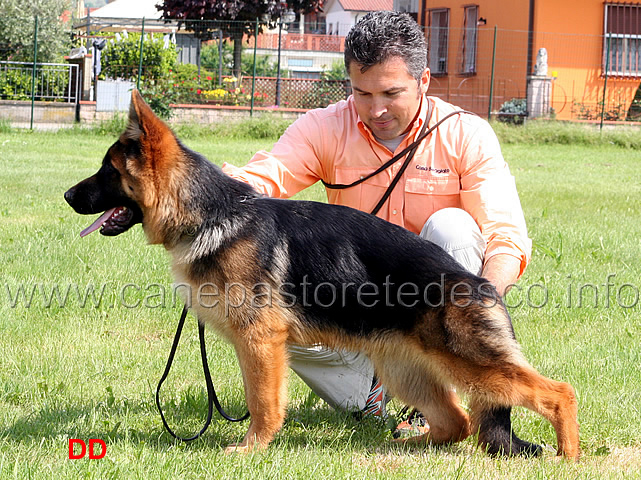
[238,448]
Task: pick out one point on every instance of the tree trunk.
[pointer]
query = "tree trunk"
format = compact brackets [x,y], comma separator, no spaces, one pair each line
[238,50]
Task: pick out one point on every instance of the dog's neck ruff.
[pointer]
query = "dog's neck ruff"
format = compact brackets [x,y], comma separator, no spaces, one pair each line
[198,242]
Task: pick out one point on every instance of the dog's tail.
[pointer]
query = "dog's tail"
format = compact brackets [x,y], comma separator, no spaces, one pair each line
[497,437]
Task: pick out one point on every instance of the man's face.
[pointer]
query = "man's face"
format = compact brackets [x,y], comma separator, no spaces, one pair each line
[387,97]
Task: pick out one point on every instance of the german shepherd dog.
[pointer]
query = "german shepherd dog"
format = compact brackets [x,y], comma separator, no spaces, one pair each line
[267,272]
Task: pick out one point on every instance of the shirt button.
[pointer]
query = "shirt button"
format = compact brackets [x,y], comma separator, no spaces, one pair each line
[394,212]
[431,188]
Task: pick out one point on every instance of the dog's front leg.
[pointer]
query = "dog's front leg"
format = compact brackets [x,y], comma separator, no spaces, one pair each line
[263,361]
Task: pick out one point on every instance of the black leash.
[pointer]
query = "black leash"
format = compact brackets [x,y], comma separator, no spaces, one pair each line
[410,150]
[212,398]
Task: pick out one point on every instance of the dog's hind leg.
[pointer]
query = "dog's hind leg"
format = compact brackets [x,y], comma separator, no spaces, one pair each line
[413,383]
[263,361]
[524,386]
[448,422]
[496,435]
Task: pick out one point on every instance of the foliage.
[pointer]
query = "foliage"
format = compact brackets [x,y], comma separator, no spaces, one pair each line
[210,58]
[186,82]
[17,30]
[335,72]
[196,13]
[159,94]
[184,85]
[231,94]
[121,57]
[513,111]
[634,112]
[15,83]
[585,111]
[121,60]
[234,18]
[330,89]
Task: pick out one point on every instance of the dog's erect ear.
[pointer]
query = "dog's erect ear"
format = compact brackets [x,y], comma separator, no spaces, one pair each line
[142,120]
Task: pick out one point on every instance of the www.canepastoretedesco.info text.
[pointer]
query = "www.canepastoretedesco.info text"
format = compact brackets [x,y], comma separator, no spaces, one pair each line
[573,294]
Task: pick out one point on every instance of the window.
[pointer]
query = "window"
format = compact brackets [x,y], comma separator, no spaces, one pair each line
[300,62]
[470,34]
[622,40]
[437,42]
[305,75]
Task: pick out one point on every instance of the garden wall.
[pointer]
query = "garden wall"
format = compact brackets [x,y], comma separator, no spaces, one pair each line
[45,114]
[54,115]
[195,114]
[203,114]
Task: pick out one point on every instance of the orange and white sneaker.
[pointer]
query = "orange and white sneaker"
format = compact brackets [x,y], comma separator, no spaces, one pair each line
[415,425]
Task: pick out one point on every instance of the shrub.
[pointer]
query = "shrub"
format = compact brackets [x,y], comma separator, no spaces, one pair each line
[513,111]
[121,57]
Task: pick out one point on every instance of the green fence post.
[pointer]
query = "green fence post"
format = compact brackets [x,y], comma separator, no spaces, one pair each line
[142,46]
[605,83]
[33,70]
[251,110]
[220,56]
[489,107]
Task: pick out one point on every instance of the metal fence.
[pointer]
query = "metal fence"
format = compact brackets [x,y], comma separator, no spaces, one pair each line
[287,66]
[579,81]
[47,81]
[490,71]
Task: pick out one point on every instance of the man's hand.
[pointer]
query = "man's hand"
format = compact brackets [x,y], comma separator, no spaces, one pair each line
[502,271]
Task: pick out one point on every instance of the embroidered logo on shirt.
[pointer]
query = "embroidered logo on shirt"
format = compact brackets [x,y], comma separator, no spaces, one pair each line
[432,169]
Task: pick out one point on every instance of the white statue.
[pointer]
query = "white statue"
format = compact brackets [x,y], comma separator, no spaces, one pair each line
[541,67]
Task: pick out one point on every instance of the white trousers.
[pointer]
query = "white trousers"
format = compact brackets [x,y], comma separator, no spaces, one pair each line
[342,378]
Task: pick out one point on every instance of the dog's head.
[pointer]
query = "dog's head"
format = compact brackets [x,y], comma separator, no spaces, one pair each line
[135,178]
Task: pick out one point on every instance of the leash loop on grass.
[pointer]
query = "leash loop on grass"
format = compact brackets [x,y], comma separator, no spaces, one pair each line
[212,398]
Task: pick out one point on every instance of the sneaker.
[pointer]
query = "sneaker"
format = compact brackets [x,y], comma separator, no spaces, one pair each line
[414,426]
[376,400]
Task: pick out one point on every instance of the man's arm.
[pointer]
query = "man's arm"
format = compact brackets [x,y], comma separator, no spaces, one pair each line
[488,193]
[292,165]
[502,271]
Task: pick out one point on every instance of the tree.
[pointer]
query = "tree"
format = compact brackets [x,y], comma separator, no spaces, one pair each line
[17,29]
[234,17]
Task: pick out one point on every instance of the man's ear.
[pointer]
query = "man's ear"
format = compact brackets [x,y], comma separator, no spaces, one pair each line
[141,118]
[425,82]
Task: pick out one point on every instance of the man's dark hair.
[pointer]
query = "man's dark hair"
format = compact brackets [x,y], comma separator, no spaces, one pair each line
[381,35]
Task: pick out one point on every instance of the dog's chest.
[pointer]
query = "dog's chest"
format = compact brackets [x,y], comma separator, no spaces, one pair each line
[208,300]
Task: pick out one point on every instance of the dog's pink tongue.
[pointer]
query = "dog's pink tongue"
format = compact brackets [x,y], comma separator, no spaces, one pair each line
[98,223]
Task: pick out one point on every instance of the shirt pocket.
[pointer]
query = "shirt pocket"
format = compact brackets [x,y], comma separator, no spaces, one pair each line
[426,195]
[363,196]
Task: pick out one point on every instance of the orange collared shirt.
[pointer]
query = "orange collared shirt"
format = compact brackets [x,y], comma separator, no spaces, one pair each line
[458,165]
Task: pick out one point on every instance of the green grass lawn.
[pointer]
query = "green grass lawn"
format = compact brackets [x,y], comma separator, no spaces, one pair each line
[86,366]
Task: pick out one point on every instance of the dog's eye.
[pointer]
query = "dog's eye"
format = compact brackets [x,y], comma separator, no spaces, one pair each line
[111,171]
[131,189]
